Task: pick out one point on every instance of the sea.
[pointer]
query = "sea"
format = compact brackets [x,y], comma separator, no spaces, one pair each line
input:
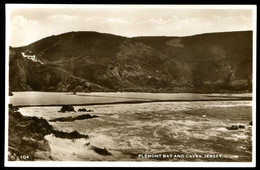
[147,126]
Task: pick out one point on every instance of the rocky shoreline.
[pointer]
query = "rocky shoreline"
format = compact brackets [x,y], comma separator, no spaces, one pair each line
[26,140]
[70,118]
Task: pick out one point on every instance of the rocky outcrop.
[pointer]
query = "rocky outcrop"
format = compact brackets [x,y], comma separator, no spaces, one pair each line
[236,127]
[10,93]
[67,108]
[233,127]
[26,75]
[101,151]
[26,137]
[26,140]
[70,118]
[69,135]
[84,110]
[241,126]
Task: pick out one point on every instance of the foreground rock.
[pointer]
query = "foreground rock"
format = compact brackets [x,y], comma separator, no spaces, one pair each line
[70,118]
[26,140]
[26,137]
[101,151]
[67,108]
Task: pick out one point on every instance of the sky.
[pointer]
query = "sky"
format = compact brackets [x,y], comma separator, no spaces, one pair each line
[27,24]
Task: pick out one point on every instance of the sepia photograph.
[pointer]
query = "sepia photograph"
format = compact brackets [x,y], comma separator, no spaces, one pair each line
[130,85]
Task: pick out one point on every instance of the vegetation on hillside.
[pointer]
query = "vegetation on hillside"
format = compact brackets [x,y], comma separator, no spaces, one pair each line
[91,61]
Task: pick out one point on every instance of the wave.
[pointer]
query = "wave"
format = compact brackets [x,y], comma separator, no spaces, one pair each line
[128,130]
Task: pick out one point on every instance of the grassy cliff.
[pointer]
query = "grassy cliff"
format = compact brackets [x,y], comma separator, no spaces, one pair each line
[91,61]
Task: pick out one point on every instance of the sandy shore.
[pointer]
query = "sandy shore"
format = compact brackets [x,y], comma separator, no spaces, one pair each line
[87,99]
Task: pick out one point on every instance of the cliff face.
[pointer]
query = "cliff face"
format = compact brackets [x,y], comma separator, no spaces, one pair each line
[26,75]
[26,134]
[90,61]
[26,137]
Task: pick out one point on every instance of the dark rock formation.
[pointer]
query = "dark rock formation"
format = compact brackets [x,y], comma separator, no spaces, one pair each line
[26,137]
[233,127]
[12,108]
[84,110]
[87,144]
[101,151]
[70,118]
[251,123]
[241,126]
[66,108]
[69,135]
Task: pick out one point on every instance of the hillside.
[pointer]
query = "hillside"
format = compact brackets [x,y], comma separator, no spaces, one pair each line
[91,61]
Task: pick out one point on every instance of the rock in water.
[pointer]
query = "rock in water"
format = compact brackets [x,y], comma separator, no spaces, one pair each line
[66,108]
[85,110]
[241,126]
[70,119]
[69,135]
[233,127]
[101,151]
[82,110]
[87,144]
